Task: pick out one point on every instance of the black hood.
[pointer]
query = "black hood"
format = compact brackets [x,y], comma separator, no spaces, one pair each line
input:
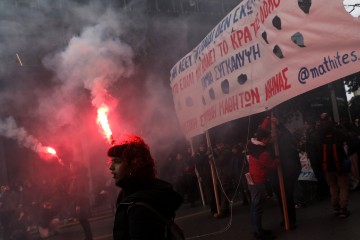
[156,193]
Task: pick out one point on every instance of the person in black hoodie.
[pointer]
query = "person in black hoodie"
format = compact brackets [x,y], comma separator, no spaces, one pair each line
[291,168]
[133,169]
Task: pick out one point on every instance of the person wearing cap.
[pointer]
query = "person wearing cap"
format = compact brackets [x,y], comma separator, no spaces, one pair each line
[133,170]
[261,165]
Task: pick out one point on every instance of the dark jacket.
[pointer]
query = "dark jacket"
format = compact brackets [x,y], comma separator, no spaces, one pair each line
[239,165]
[289,157]
[223,164]
[202,164]
[333,153]
[139,223]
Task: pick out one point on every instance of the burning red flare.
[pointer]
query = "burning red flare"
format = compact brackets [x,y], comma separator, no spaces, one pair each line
[49,153]
[103,122]
[51,150]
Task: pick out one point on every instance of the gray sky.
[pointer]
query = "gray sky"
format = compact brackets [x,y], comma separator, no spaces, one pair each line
[356,11]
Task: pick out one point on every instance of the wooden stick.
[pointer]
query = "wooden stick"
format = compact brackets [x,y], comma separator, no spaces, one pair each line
[213,173]
[197,174]
[280,173]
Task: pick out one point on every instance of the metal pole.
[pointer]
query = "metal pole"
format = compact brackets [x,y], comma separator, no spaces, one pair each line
[4,176]
[334,104]
[197,174]
[280,173]
[213,172]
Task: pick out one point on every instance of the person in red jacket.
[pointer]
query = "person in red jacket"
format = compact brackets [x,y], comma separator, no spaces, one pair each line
[261,165]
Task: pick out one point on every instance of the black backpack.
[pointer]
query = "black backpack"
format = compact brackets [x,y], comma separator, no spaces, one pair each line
[173,232]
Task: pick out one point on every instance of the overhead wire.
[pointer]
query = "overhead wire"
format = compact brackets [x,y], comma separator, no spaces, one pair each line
[230,200]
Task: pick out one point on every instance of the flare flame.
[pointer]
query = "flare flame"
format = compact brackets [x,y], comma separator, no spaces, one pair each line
[51,150]
[103,122]
[49,153]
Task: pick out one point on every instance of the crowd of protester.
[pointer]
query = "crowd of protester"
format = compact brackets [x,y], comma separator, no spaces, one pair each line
[192,173]
[211,176]
[40,206]
[306,158]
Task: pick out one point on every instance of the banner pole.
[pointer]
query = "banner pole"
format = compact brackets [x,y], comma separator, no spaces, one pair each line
[197,174]
[334,105]
[211,162]
[280,173]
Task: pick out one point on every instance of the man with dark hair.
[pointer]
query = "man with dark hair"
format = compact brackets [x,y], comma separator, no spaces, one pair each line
[261,165]
[312,145]
[133,169]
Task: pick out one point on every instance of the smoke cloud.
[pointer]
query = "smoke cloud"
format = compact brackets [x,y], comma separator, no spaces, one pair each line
[94,60]
[9,129]
[76,55]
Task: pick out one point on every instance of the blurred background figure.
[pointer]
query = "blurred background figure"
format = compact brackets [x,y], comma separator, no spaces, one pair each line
[49,222]
[105,194]
[306,186]
[18,225]
[335,166]
[291,168]
[222,157]
[202,163]
[7,210]
[312,146]
[352,149]
[356,127]
[82,209]
[178,174]
[79,192]
[240,166]
[191,181]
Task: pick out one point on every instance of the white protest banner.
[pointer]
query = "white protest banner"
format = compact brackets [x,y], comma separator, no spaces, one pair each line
[261,54]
